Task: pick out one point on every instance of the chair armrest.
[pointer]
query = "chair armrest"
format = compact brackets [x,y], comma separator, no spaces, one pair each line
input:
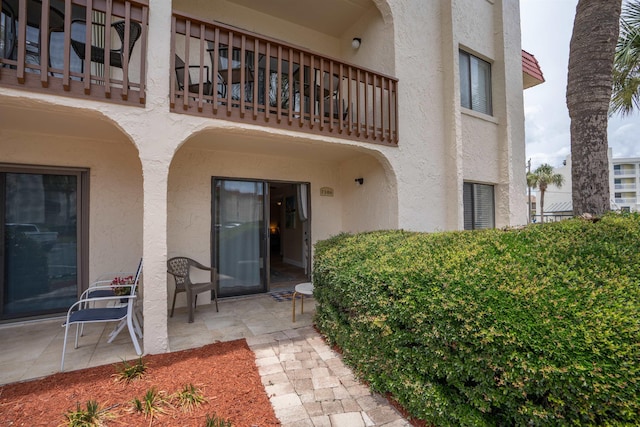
[196,264]
[78,305]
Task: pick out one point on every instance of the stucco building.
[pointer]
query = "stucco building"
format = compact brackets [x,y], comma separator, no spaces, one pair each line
[236,132]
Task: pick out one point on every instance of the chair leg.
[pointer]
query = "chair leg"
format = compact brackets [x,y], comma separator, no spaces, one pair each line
[215,298]
[116,331]
[64,346]
[137,322]
[132,332]
[77,333]
[173,306]
[191,300]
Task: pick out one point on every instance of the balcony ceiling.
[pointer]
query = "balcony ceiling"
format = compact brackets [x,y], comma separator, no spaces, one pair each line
[332,17]
[45,119]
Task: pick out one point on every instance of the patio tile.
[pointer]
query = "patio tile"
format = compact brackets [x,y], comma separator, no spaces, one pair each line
[285,401]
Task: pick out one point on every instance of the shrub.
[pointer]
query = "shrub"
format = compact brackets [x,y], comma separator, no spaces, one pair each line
[536,326]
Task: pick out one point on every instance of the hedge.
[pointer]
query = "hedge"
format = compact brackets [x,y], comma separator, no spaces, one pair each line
[535,326]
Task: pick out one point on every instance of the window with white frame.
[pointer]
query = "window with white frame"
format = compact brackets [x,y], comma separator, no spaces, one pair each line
[479,206]
[475,83]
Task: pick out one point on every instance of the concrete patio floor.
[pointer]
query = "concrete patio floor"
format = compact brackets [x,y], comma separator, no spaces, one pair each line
[34,349]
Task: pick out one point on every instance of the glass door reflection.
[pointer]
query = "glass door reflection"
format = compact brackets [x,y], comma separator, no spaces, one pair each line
[239,250]
[40,234]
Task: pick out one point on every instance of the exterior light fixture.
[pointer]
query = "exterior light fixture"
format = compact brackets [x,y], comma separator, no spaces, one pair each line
[355,43]
[359,181]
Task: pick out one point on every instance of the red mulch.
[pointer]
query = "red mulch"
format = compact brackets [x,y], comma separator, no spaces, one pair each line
[226,374]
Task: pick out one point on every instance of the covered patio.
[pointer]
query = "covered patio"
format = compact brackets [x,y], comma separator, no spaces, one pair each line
[33,349]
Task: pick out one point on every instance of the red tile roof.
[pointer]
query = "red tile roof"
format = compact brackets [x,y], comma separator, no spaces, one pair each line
[531,71]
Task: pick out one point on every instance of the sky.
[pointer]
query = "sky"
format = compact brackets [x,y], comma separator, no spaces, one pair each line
[546,32]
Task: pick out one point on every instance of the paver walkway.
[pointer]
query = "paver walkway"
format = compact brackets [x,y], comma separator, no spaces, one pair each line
[309,385]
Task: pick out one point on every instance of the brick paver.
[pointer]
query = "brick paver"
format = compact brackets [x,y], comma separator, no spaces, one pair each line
[309,385]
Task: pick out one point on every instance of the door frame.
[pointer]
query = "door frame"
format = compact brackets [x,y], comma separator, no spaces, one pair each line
[265,238]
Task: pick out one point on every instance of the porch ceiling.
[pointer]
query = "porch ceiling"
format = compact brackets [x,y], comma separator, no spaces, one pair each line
[277,146]
[35,117]
[331,17]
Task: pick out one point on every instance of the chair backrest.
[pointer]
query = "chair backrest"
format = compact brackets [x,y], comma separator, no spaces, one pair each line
[180,72]
[78,35]
[178,267]
[138,273]
[136,282]
[135,30]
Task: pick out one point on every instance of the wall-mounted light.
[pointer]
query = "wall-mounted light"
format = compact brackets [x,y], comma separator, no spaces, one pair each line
[359,181]
[355,43]
[279,203]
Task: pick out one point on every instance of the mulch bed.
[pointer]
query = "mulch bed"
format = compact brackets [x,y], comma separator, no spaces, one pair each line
[225,372]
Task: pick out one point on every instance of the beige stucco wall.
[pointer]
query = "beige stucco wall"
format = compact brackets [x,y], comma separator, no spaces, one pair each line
[201,158]
[115,193]
[167,159]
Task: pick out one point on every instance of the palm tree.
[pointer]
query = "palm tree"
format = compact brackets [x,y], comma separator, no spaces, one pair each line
[589,83]
[626,65]
[540,179]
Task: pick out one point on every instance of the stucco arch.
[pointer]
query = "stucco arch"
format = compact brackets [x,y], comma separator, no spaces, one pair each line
[271,156]
[38,133]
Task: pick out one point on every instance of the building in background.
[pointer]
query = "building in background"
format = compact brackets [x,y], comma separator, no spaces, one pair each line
[624,185]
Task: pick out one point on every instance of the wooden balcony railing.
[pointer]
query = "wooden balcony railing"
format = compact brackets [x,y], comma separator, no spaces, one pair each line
[223,72]
[59,46]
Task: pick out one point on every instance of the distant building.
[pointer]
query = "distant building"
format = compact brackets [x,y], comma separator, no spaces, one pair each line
[624,184]
[626,181]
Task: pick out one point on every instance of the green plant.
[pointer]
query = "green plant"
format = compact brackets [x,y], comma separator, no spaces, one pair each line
[130,371]
[535,326]
[152,404]
[189,397]
[215,421]
[93,416]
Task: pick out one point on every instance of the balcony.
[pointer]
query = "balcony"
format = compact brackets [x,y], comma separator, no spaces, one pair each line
[630,186]
[59,46]
[625,200]
[227,73]
[624,171]
[97,49]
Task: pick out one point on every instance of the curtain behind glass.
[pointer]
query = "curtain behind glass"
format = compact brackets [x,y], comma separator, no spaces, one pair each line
[239,223]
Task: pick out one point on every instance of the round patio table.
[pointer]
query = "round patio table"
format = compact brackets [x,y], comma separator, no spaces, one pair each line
[301,289]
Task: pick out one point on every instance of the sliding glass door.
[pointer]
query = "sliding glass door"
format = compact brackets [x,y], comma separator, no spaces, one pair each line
[239,236]
[39,262]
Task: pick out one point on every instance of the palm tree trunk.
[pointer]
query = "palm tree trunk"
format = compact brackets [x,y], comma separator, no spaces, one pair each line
[593,42]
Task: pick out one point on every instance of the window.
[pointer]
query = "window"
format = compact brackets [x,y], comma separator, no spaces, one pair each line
[475,83]
[479,206]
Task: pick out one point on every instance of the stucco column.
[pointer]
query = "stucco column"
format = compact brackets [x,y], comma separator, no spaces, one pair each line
[155,156]
[154,249]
